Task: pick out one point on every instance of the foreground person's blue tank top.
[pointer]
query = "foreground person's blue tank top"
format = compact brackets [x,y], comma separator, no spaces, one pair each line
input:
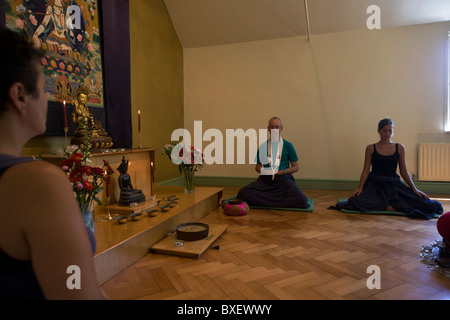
[17,278]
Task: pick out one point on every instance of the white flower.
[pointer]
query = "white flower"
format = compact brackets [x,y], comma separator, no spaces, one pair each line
[66,152]
[20,8]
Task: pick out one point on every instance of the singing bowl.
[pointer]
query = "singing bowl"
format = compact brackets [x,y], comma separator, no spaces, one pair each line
[152,213]
[171,204]
[122,219]
[192,231]
[136,216]
[164,208]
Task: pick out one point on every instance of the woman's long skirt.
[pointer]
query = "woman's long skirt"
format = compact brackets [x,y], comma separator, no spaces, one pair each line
[379,192]
[281,192]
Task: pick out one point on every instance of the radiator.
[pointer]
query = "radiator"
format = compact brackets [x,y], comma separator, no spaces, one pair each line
[434,162]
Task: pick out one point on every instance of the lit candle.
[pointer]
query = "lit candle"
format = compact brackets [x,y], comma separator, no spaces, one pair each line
[139,120]
[153,172]
[107,184]
[65,114]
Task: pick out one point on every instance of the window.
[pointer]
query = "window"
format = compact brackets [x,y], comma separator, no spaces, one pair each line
[447,113]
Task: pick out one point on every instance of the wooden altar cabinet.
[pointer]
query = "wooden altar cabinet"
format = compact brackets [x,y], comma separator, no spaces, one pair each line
[139,168]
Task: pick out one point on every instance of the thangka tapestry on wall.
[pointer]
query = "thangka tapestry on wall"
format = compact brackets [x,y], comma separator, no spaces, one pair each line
[69,32]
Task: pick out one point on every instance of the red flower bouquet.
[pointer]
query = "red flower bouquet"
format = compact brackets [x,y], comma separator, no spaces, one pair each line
[86,180]
[189,161]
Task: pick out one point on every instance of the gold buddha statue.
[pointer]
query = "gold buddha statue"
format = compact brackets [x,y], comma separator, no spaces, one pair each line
[82,116]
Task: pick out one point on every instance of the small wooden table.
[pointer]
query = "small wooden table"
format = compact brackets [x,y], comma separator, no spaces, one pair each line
[191,249]
[127,210]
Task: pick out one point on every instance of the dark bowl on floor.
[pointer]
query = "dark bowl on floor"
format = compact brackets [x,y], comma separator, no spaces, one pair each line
[192,231]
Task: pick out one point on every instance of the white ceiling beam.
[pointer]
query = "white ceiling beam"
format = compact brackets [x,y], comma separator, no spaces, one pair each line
[307,20]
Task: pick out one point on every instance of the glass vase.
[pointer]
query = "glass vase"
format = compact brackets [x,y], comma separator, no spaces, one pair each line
[188,181]
[87,212]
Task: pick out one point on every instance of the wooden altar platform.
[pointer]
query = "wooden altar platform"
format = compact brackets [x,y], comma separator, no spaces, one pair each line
[121,245]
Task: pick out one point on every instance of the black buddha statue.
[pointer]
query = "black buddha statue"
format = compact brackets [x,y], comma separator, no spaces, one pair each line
[128,194]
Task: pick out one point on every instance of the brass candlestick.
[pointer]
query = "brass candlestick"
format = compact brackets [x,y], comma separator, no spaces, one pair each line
[108,217]
[152,181]
[66,130]
[140,145]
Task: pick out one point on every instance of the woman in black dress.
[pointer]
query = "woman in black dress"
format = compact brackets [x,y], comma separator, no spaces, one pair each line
[381,189]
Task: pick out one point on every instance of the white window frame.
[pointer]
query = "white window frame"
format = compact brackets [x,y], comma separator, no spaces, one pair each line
[447,100]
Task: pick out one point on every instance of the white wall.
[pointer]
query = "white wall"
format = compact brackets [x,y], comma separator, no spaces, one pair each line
[330,93]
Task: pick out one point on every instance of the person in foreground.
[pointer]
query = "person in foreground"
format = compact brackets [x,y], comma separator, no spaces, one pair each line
[381,189]
[41,231]
[275,186]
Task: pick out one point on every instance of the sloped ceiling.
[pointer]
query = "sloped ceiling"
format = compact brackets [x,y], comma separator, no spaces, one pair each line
[217,22]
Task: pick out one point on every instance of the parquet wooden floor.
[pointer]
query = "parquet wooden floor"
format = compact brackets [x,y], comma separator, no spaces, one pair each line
[280,255]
